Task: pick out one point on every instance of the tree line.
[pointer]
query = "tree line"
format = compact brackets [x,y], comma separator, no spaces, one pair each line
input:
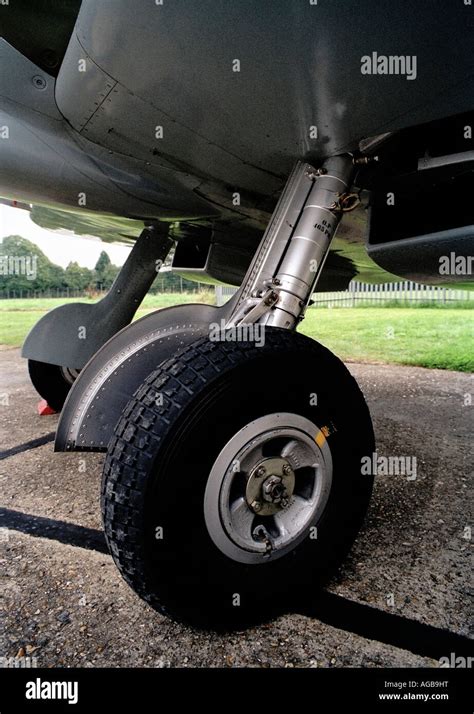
[24,267]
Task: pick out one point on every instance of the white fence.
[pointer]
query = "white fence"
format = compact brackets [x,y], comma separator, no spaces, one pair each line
[405,292]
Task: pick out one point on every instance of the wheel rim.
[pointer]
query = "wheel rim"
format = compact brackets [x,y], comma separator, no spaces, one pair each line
[268,487]
[70,375]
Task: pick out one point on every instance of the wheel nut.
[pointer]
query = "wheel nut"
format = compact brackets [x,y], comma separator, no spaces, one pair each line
[256,505]
[286,469]
[284,502]
[261,471]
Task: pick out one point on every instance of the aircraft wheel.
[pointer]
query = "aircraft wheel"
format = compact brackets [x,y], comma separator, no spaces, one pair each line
[234,476]
[52,382]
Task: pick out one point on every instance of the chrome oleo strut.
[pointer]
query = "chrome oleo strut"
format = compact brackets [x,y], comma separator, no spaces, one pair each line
[288,263]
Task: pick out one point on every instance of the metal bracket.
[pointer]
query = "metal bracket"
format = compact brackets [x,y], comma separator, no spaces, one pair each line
[70,334]
[254,308]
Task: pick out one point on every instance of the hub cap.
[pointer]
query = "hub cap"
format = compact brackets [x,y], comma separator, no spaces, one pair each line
[268,487]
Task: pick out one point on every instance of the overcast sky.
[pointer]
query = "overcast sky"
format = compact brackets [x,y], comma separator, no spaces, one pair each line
[60,247]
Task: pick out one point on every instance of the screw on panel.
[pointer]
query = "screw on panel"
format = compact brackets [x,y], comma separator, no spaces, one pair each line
[39,82]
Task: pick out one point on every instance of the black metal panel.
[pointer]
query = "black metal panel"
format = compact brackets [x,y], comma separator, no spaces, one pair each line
[70,334]
[104,387]
[422,258]
[40,29]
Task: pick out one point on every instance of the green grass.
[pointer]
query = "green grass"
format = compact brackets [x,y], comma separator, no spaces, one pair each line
[151,302]
[423,335]
[17,316]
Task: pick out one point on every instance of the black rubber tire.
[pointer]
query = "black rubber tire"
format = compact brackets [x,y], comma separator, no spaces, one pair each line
[159,460]
[50,383]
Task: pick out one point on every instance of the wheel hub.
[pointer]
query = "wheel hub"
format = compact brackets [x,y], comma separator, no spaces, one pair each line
[270,486]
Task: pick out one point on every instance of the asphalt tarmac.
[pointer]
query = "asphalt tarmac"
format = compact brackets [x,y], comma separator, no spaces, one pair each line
[401,599]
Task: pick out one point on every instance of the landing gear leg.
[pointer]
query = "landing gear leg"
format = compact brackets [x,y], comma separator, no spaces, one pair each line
[63,341]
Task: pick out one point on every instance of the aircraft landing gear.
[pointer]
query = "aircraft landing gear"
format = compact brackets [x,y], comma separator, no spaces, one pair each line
[234,474]
[234,477]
